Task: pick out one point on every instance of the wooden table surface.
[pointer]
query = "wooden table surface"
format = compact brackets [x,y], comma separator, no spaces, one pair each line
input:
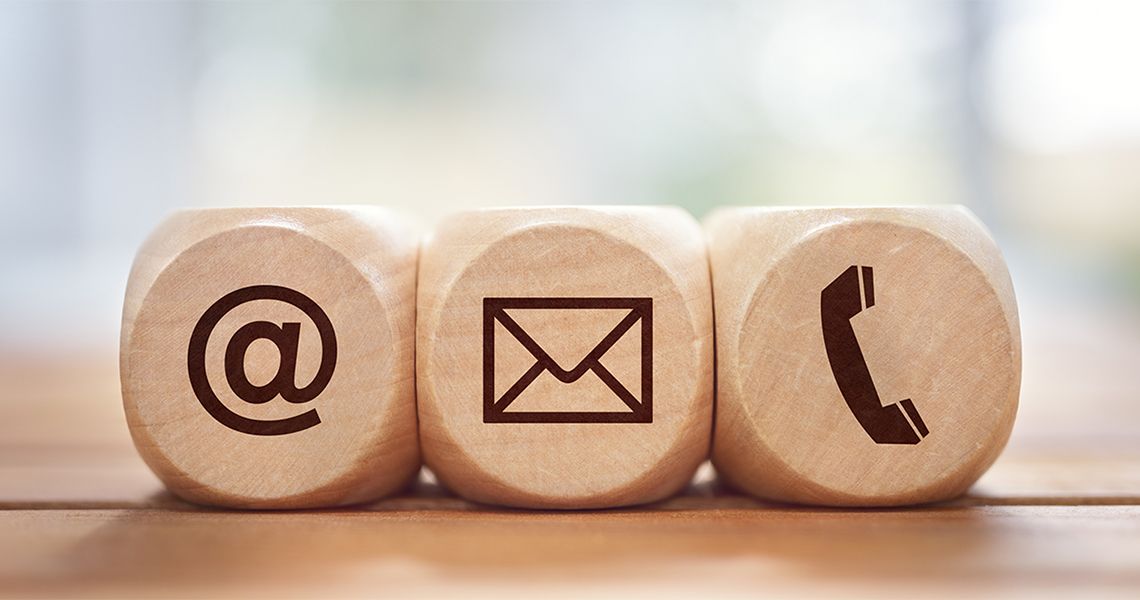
[1059,514]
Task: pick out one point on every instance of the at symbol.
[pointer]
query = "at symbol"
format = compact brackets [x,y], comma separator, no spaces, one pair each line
[285,337]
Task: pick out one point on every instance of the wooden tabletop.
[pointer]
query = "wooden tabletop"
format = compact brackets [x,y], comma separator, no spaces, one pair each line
[80,515]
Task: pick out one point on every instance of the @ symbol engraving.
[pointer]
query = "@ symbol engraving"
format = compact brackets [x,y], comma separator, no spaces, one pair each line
[285,337]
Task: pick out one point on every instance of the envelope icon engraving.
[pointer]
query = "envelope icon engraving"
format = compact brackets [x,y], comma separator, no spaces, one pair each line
[629,407]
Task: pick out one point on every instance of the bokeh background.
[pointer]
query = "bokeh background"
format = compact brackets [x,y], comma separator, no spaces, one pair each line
[113,114]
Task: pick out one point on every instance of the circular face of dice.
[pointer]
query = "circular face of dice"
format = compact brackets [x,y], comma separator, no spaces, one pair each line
[565,355]
[267,356]
[866,356]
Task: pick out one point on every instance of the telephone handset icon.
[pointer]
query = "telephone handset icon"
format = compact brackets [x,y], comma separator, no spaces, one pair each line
[838,303]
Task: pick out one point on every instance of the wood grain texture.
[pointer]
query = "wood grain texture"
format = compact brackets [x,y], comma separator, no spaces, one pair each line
[678,549]
[326,292]
[610,301]
[82,516]
[867,357]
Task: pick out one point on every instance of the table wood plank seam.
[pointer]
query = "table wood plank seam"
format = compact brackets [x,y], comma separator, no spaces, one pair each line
[452,504]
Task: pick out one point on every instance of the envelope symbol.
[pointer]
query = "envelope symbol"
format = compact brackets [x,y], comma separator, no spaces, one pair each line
[638,408]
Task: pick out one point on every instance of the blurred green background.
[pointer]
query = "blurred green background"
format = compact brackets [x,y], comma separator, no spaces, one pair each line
[113,114]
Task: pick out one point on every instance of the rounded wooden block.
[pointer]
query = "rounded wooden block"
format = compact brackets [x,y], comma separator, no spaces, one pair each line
[267,356]
[565,355]
[866,357]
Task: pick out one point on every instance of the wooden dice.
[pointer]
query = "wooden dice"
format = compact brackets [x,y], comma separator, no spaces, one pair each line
[267,356]
[565,355]
[865,356]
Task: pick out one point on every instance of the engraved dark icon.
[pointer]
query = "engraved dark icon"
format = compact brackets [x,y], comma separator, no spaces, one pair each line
[640,409]
[838,303]
[286,337]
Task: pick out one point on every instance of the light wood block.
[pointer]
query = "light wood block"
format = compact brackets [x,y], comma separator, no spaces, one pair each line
[267,356]
[565,355]
[866,357]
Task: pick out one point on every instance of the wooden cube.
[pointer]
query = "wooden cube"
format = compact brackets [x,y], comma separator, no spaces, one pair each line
[565,355]
[267,356]
[866,356]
